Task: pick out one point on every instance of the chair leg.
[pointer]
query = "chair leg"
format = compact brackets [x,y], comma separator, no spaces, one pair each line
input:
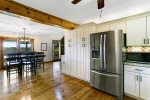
[34,68]
[43,66]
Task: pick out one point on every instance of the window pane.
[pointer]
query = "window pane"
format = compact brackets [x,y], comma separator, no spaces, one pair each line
[9,47]
[23,48]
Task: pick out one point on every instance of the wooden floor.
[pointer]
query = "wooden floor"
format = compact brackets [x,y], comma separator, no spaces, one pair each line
[49,85]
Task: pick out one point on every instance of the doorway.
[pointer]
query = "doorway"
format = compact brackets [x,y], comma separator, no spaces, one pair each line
[56,50]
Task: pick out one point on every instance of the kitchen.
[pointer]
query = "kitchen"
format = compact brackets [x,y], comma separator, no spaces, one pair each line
[76,62]
[134,69]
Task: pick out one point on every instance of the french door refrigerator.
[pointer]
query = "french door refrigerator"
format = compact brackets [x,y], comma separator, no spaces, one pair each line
[106,72]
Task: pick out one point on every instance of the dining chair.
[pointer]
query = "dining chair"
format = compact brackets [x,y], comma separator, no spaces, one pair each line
[28,62]
[40,60]
[13,64]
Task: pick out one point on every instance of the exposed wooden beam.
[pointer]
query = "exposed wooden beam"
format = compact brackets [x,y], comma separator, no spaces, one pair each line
[35,15]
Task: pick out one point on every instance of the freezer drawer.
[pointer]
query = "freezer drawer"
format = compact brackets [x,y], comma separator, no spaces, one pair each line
[110,83]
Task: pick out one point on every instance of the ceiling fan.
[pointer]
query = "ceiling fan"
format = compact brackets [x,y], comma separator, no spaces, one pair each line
[100,3]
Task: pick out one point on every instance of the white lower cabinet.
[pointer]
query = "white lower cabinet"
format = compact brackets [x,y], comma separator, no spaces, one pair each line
[145,86]
[137,82]
[131,83]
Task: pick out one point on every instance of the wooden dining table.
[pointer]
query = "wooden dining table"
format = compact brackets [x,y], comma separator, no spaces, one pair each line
[24,57]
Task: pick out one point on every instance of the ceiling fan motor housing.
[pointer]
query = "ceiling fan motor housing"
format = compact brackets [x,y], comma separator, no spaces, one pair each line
[100,4]
[75,1]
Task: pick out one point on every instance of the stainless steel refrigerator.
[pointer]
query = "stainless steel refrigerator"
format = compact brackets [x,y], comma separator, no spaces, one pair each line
[106,72]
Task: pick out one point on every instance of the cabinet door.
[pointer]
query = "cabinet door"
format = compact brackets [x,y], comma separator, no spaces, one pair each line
[145,86]
[86,61]
[118,26]
[79,35]
[73,60]
[63,64]
[136,31]
[148,30]
[87,31]
[131,83]
[102,28]
[80,60]
[67,53]
[68,59]
[72,36]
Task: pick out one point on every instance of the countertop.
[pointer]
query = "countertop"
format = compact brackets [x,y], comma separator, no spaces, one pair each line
[138,64]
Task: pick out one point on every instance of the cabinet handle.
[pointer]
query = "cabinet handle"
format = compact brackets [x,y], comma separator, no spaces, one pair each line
[138,70]
[147,41]
[82,39]
[137,77]
[82,45]
[141,78]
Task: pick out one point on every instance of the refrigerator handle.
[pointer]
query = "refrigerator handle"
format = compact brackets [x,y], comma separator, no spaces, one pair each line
[104,49]
[109,75]
[101,53]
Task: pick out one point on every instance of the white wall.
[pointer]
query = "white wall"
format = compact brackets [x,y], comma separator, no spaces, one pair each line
[48,39]
[38,39]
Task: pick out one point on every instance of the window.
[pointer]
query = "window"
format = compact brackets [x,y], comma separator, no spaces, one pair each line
[9,46]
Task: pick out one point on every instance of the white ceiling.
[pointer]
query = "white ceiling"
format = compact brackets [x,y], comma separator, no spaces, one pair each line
[9,23]
[86,11]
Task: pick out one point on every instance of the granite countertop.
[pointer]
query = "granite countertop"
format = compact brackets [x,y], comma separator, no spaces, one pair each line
[136,63]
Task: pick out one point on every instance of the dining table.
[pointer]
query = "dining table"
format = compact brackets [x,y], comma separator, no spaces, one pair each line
[23,58]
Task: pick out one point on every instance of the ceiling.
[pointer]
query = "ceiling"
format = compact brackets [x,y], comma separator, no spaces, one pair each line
[86,11]
[9,23]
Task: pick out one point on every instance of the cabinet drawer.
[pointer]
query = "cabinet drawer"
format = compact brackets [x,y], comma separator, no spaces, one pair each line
[137,69]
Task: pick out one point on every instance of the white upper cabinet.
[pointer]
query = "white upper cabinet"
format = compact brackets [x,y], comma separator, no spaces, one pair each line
[103,28]
[148,30]
[118,26]
[136,32]
[145,87]
[83,33]
[79,34]
[72,36]
[87,31]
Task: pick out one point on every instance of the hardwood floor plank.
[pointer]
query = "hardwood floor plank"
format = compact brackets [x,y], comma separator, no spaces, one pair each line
[49,85]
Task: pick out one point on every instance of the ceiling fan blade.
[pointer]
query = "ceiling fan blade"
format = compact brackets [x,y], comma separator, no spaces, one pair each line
[75,1]
[100,4]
